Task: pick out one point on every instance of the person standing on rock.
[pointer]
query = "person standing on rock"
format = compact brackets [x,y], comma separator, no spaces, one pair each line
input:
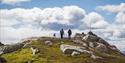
[61,33]
[69,33]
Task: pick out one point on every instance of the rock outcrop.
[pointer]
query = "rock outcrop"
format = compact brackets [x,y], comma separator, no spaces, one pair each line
[10,48]
[1,44]
[101,47]
[68,49]
[87,43]
[92,40]
[89,37]
[76,50]
[84,48]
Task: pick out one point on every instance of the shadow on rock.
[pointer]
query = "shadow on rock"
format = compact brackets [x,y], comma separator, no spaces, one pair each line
[2,60]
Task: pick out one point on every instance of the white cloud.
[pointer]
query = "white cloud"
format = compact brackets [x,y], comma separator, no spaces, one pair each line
[120,18]
[93,17]
[19,23]
[65,15]
[9,34]
[6,22]
[95,20]
[100,24]
[11,2]
[112,8]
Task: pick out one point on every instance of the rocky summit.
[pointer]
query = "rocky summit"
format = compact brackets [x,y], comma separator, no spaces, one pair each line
[82,48]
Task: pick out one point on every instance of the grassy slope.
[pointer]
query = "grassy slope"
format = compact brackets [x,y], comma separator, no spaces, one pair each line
[52,54]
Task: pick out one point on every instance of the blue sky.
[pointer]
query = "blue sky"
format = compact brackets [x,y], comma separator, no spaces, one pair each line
[27,18]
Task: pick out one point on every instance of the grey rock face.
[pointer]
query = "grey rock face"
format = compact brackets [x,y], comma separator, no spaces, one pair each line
[79,36]
[113,47]
[68,49]
[103,41]
[101,47]
[90,38]
[1,44]
[80,42]
[76,50]
[10,48]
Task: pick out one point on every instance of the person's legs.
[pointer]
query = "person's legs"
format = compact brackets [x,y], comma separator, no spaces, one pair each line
[61,36]
[69,36]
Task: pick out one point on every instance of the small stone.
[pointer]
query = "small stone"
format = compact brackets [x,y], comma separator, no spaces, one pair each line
[34,50]
[48,43]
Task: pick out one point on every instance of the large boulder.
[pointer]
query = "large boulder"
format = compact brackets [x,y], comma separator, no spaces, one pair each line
[10,48]
[76,50]
[68,49]
[90,38]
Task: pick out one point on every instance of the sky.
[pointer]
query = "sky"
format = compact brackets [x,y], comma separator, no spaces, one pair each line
[21,19]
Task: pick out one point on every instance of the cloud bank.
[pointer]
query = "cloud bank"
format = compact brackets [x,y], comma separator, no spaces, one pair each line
[19,23]
[112,8]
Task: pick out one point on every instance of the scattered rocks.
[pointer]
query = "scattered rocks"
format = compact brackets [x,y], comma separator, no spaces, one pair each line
[90,38]
[27,45]
[76,50]
[49,43]
[79,36]
[103,41]
[101,47]
[34,50]
[80,42]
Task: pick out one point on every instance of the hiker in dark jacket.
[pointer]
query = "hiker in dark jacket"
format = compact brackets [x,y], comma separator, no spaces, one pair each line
[61,33]
[69,33]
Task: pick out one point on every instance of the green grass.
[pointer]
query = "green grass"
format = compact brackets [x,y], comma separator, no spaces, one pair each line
[53,54]
[20,56]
